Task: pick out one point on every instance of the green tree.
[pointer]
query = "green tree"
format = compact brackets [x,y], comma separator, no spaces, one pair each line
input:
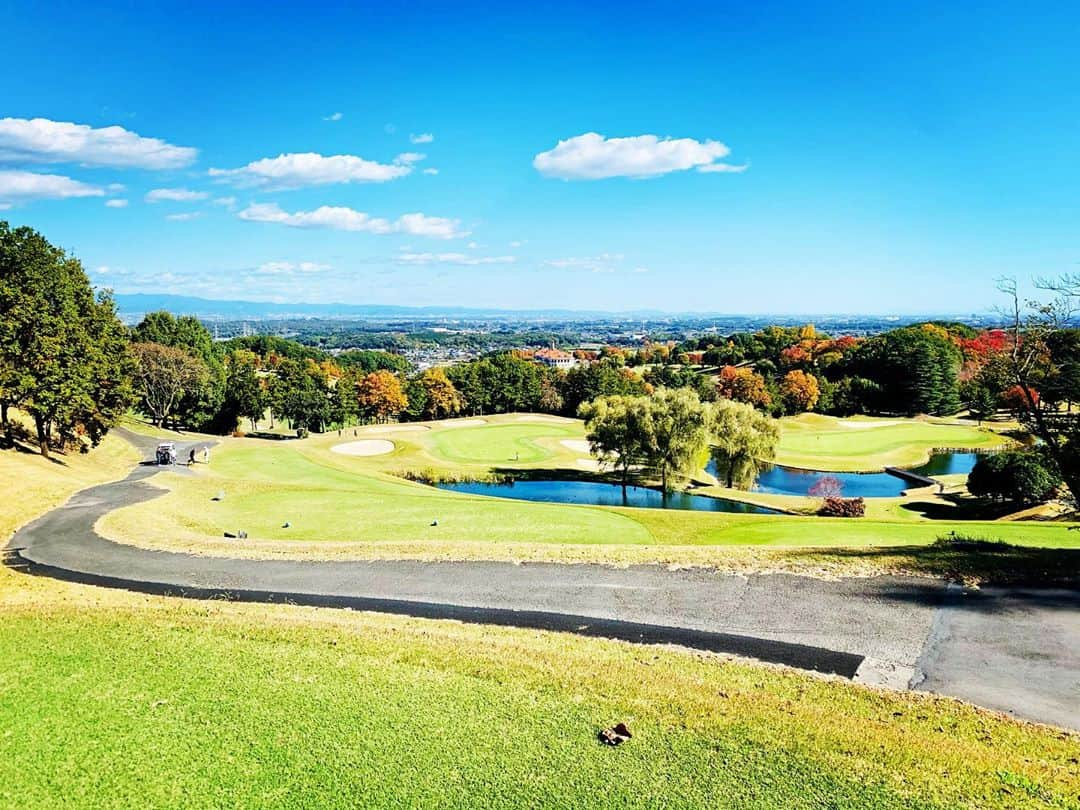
[201,407]
[980,401]
[616,428]
[345,406]
[605,378]
[742,438]
[301,394]
[676,433]
[63,356]
[368,360]
[916,368]
[245,397]
[1020,477]
[417,396]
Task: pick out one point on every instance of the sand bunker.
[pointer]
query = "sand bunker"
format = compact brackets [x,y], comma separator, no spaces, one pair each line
[463,423]
[396,428]
[539,417]
[577,445]
[364,447]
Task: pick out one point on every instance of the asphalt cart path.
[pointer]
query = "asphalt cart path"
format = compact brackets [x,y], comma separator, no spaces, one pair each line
[1011,649]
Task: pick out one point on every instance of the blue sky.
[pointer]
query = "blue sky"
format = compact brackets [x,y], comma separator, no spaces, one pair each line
[767,157]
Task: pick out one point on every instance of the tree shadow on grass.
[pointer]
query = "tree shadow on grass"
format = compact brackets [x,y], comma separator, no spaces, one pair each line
[960,507]
[972,561]
[33,450]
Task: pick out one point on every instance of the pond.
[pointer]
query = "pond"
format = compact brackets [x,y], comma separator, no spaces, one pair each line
[597,493]
[779,480]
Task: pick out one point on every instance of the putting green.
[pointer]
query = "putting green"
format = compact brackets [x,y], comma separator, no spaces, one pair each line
[862,444]
[497,444]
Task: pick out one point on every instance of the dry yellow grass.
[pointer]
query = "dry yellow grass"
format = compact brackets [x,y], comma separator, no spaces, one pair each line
[34,484]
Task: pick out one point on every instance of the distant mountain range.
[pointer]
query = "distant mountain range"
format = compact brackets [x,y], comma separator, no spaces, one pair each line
[139,303]
[133,306]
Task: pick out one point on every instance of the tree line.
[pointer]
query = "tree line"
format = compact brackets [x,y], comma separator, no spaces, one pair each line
[70,365]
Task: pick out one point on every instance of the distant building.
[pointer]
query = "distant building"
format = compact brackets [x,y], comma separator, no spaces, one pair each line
[554,358]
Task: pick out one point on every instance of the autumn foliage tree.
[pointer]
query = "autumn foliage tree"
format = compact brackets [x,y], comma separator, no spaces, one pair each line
[381,396]
[443,398]
[799,391]
[1018,402]
[164,376]
[743,385]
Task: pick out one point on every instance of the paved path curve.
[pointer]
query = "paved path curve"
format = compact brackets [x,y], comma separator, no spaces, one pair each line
[1010,649]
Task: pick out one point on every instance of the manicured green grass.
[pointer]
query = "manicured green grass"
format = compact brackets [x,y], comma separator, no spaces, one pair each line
[464,447]
[818,442]
[501,444]
[337,505]
[155,703]
[112,699]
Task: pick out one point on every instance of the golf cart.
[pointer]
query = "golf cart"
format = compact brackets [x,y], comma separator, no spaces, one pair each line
[166,453]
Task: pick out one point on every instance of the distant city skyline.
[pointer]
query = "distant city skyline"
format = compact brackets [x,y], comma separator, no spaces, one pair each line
[795,158]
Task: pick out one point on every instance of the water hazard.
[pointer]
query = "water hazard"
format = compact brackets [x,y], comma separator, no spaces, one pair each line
[597,493]
[779,480]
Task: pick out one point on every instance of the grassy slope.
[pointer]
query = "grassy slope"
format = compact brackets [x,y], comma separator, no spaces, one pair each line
[861,444]
[113,699]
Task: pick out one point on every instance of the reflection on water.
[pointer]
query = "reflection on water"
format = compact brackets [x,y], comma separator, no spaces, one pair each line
[597,493]
[779,480]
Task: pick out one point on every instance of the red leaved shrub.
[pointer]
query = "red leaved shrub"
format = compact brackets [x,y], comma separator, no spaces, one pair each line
[843,507]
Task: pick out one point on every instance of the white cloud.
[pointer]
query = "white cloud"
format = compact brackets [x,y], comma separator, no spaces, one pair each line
[298,170]
[593,157]
[423,225]
[333,117]
[116,203]
[115,188]
[603,263]
[19,186]
[174,195]
[288,268]
[185,217]
[423,137]
[640,270]
[409,157]
[224,202]
[347,219]
[725,168]
[452,258]
[40,140]
[431,171]
[517,243]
